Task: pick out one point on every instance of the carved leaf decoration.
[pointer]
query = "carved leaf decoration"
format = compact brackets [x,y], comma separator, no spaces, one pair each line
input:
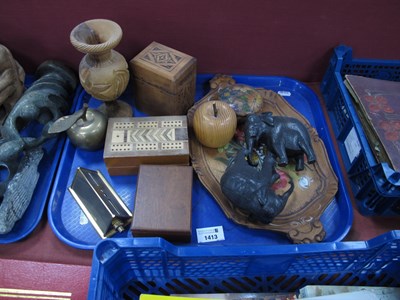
[64,123]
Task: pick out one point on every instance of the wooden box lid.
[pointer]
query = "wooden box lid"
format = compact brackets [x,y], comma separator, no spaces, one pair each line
[162,66]
[163,202]
[133,141]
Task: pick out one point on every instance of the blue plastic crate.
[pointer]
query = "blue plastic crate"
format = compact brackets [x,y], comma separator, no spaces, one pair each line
[376,187]
[126,268]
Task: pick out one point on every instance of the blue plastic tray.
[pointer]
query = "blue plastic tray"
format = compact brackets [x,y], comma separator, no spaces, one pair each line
[47,169]
[71,226]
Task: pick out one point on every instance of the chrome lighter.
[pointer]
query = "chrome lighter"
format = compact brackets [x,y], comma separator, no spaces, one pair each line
[101,204]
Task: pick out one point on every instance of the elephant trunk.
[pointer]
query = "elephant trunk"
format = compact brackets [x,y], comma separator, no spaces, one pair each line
[250,144]
[251,138]
[285,196]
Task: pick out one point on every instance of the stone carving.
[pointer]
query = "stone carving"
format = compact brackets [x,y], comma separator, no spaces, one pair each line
[12,77]
[44,102]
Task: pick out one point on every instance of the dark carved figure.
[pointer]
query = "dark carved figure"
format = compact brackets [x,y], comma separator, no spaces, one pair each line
[45,101]
[249,189]
[283,136]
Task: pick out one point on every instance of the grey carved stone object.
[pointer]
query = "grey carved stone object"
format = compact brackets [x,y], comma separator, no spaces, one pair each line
[250,189]
[49,98]
[12,77]
[44,102]
[20,190]
[284,136]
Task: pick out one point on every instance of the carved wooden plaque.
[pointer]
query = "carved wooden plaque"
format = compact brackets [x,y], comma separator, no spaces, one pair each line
[133,141]
[315,186]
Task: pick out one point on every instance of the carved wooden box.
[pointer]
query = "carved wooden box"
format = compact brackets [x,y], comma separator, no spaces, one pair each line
[163,203]
[133,141]
[164,80]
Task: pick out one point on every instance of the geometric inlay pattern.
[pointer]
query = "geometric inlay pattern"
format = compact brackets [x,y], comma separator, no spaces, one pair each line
[163,58]
[152,135]
[149,135]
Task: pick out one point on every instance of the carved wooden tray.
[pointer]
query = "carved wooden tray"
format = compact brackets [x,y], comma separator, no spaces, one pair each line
[315,186]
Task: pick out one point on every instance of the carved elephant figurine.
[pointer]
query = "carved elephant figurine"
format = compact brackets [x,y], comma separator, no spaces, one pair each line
[283,136]
[249,189]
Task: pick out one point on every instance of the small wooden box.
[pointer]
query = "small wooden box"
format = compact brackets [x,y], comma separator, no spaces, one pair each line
[133,141]
[164,80]
[163,203]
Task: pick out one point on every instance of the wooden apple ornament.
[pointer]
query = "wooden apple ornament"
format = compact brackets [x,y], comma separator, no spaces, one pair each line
[214,123]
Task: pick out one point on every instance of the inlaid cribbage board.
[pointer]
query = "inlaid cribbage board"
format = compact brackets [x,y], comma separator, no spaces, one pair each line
[133,141]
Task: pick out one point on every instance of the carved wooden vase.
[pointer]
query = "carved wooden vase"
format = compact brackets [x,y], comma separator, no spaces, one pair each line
[103,72]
